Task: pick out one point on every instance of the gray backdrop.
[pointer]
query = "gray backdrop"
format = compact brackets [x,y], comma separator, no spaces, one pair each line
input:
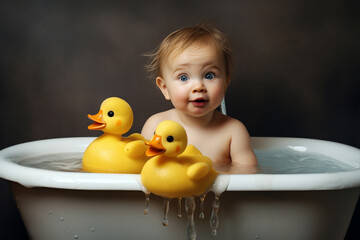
[296,70]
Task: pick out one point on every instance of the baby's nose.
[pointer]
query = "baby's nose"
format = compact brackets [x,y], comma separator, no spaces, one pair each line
[199,87]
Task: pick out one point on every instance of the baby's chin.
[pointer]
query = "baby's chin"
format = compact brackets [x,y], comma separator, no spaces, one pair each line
[200,112]
[194,111]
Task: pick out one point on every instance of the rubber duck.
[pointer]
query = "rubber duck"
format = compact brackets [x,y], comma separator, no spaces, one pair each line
[175,169]
[111,152]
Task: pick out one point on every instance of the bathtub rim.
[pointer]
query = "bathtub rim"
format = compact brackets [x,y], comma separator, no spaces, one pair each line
[31,177]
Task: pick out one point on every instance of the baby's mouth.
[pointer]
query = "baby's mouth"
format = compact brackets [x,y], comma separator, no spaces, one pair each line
[199,102]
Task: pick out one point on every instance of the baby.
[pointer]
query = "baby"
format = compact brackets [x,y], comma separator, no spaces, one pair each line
[192,69]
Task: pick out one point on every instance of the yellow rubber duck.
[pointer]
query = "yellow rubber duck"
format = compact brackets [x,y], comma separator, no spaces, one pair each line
[175,169]
[112,153]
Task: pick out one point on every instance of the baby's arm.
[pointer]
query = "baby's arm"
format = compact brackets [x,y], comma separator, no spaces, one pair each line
[241,152]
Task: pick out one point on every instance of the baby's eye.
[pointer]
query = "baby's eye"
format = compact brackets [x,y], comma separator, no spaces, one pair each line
[209,76]
[183,78]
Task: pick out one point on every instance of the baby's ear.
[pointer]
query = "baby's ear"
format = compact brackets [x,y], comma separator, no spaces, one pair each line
[228,80]
[160,82]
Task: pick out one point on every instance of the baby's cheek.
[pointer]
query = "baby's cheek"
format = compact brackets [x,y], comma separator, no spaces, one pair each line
[218,94]
[179,98]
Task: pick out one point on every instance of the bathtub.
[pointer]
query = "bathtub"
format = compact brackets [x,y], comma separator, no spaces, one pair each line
[71,205]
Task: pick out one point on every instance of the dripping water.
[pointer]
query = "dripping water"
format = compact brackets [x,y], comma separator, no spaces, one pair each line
[214,219]
[190,209]
[147,200]
[166,211]
[179,208]
[202,199]
[219,186]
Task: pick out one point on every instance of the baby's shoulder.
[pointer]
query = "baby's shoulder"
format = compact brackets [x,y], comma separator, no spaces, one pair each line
[233,128]
[151,123]
[230,123]
[161,116]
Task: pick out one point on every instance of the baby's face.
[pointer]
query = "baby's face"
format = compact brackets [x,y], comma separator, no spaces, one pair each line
[195,80]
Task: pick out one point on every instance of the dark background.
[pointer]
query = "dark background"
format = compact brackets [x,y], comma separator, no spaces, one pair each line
[296,71]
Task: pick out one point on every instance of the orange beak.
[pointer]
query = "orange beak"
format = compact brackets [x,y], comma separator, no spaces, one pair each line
[155,146]
[98,121]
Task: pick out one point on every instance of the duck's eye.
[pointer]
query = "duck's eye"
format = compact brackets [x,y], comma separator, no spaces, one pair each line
[111,113]
[209,76]
[170,138]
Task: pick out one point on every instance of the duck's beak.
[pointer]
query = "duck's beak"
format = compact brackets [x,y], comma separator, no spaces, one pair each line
[155,146]
[98,121]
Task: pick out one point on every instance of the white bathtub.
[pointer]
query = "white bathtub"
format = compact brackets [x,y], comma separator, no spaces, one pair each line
[69,205]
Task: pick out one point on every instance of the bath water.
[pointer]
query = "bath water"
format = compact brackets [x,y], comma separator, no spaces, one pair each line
[296,160]
[271,161]
[63,162]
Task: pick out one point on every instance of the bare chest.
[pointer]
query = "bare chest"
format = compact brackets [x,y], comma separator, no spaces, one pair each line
[214,145]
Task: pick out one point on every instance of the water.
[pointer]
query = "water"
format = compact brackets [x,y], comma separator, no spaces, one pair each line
[166,211]
[179,208]
[63,162]
[147,200]
[296,161]
[218,187]
[271,161]
[190,209]
[214,219]
[202,200]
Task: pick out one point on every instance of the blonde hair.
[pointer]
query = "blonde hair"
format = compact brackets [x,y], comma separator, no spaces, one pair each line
[180,39]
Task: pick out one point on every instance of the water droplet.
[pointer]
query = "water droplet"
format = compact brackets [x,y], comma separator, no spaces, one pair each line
[190,209]
[92,229]
[214,219]
[202,199]
[147,200]
[50,212]
[256,237]
[165,222]
[76,236]
[166,211]
[61,219]
[179,208]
